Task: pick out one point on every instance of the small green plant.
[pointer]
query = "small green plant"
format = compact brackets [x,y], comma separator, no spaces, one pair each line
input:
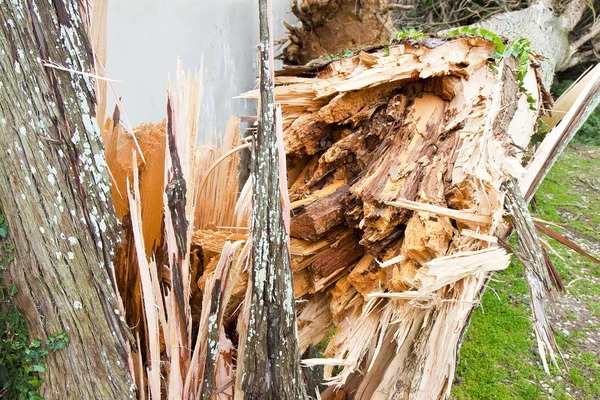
[343,54]
[21,360]
[520,48]
[409,34]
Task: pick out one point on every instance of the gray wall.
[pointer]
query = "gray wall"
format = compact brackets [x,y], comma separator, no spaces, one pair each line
[146,36]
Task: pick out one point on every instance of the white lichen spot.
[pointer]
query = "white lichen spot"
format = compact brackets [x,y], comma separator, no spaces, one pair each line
[33,170]
[117,311]
[23,196]
[42,230]
[22,130]
[27,180]
[60,153]
[77,305]
[51,179]
[63,236]
[72,240]
[3,121]
[70,255]
[58,255]
[76,138]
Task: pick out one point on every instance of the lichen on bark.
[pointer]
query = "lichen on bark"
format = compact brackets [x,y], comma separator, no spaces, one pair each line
[55,191]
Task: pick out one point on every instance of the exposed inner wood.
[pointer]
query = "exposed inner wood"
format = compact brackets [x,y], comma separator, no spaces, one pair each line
[395,160]
[407,148]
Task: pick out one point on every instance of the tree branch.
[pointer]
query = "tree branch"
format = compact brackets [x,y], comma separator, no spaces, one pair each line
[572,14]
[591,33]
[579,58]
[400,7]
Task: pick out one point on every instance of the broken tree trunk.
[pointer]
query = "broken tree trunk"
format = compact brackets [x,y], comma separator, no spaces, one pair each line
[271,358]
[418,138]
[55,192]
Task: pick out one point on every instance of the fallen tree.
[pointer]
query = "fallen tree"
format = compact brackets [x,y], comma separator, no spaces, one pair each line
[396,161]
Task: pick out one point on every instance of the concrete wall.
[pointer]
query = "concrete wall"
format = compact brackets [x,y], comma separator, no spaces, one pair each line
[146,36]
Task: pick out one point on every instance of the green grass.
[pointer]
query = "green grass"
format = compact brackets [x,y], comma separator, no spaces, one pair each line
[499,357]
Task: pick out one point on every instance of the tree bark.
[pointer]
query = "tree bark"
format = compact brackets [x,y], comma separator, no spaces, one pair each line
[271,358]
[55,191]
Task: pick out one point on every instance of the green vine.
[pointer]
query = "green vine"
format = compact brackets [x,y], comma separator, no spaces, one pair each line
[409,34]
[520,48]
[21,360]
[343,54]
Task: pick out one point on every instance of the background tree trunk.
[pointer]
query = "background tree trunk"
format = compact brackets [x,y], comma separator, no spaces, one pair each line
[55,192]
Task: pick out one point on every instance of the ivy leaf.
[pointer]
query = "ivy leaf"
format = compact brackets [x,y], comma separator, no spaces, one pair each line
[3,228]
[38,368]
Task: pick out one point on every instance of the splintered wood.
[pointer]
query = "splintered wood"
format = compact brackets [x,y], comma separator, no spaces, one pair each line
[395,161]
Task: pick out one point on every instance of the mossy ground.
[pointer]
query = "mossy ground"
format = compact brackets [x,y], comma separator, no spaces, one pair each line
[499,358]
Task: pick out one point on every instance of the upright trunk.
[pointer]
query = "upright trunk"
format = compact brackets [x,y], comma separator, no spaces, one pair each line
[55,191]
[271,360]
